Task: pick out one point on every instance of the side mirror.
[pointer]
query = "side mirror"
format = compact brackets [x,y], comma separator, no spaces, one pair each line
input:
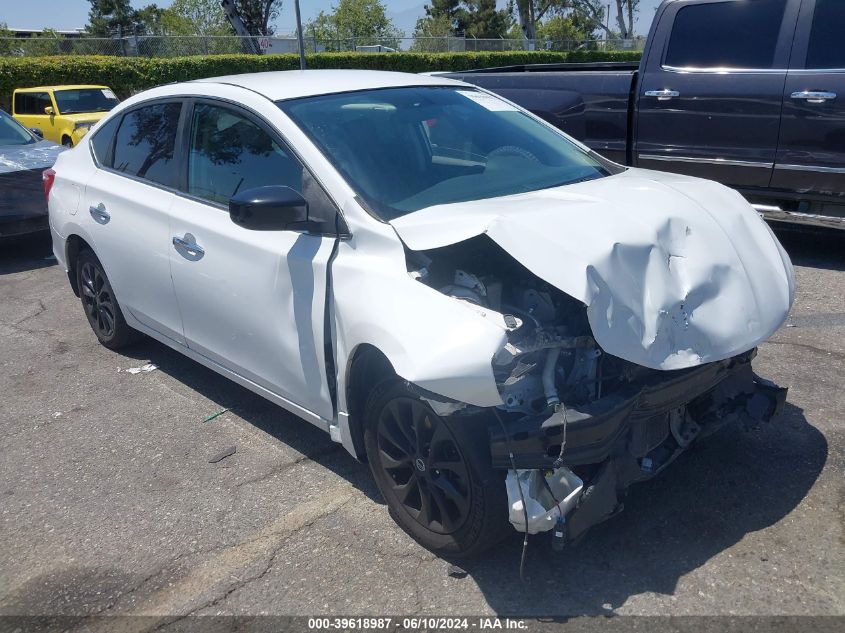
[37,131]
[48,110]
[270,208]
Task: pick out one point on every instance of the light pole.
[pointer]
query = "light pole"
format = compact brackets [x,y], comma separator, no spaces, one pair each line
[299,35]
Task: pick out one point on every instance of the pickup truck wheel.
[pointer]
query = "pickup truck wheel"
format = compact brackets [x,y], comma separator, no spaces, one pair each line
[434,473]
[67,142]
[100,304]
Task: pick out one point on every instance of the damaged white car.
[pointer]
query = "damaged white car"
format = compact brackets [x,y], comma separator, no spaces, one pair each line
[501,322]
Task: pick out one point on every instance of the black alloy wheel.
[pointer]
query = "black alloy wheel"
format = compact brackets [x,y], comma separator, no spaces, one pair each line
[100,304]
[428,474]
[98,300]
[434,472]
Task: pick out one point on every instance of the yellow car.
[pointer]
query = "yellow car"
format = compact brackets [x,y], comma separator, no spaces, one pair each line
[63,114]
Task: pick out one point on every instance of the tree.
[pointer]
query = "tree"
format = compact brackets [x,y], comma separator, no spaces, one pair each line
[361,21]
[589,13]
[110,17]
[197,17]
[625,10]
[473,18]
[257,15]
[483,20]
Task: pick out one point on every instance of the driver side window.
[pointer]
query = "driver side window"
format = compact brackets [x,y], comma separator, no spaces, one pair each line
[229,153]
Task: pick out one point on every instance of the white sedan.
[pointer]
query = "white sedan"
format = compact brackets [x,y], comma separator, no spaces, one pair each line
[504,324]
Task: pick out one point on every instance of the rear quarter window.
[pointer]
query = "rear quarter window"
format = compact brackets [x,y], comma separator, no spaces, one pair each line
[103,142]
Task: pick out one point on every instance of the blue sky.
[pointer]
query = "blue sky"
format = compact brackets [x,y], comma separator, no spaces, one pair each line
[70,14]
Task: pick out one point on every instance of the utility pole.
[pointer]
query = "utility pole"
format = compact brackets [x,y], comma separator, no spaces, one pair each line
[300,36]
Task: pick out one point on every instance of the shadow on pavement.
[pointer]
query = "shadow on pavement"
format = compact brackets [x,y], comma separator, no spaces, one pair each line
[815,249]
[730,485]
[29,252]
[288,429]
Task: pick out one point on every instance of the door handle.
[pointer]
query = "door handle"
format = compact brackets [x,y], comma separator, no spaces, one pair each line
[191,247]
[814,96]
[99,213]
[662,95]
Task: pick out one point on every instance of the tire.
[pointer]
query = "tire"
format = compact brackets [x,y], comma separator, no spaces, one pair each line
[67,142]
[100,305]
[445,494]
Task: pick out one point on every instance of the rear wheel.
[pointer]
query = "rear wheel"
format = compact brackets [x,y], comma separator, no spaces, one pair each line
[67,142]
[434,472]
[100,304]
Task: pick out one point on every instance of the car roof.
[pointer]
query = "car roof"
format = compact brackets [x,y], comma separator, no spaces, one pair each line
[292,84]
[60,87]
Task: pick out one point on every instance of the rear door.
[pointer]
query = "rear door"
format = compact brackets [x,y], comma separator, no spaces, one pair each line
[127,203]
[709,102]
[811,153]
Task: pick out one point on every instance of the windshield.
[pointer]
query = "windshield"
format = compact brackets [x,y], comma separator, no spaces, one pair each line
[404,149]
[85,100]
[12,133]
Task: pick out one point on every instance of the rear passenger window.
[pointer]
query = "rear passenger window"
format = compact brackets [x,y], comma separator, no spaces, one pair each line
[826,49]
[736,34]
[229,153]
[32,102]
[102,142]
[145,143]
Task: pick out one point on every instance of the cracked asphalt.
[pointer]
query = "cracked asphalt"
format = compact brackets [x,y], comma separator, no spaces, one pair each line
[109,505]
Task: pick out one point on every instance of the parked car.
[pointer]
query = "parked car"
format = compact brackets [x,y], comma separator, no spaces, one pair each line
[23,158]
[751,94]
[63,113]
[449,286]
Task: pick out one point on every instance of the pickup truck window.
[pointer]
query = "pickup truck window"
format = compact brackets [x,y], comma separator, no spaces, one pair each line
[404,149]
[726,35]
[825,47]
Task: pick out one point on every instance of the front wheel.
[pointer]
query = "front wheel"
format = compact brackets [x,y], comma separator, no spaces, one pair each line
[434,472]
[100,304]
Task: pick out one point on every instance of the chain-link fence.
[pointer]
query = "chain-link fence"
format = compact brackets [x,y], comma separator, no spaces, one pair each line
[171,46]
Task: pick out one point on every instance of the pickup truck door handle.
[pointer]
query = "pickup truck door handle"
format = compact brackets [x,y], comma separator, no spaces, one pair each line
[662,95]
[814,96]
[99,213]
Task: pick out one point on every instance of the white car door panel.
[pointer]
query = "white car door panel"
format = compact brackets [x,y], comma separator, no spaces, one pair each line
[129,219]
[252,301]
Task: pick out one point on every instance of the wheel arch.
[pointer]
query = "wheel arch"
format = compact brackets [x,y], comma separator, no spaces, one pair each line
[367,367]
[74,245]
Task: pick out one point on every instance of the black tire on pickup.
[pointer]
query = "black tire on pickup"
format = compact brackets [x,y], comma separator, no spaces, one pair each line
[434,472]
[100,305]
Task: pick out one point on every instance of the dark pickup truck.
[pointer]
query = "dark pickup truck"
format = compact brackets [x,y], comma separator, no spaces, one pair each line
[750,93]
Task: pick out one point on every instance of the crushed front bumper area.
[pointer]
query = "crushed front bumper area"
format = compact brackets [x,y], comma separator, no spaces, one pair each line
[633,434]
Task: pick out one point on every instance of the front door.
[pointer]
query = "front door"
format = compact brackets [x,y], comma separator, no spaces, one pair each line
[709,102]
[811,153]
[251,301]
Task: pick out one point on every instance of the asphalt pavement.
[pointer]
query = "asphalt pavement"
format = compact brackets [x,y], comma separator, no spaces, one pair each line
[109,502]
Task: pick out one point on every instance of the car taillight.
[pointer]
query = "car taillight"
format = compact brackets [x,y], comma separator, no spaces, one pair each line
[48,177]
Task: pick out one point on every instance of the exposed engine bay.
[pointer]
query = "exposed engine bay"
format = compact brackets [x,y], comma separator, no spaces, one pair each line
[551,355]
[579,425]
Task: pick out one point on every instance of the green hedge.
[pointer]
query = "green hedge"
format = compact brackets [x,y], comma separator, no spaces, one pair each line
[127,75]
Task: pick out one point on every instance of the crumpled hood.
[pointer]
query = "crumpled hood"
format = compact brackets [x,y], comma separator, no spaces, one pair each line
[674,271]
[41,154]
